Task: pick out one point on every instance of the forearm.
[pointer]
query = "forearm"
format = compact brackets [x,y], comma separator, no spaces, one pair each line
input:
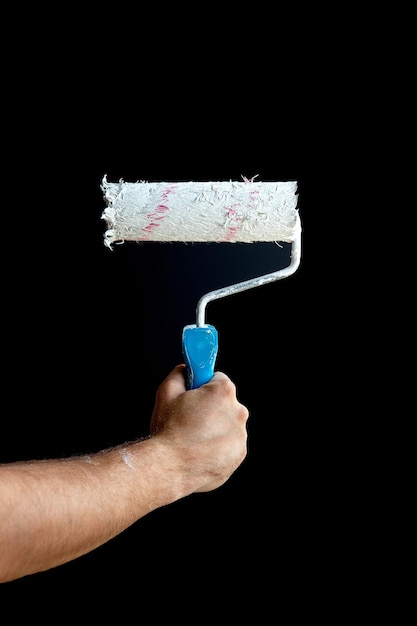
[54,511]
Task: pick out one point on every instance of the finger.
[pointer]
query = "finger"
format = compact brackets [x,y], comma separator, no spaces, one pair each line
[224,381]
[219,376]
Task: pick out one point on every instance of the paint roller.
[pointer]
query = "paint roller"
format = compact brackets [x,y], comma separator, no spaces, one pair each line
[246,211]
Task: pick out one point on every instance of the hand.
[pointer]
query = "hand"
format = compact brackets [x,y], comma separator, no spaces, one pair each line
[205,428]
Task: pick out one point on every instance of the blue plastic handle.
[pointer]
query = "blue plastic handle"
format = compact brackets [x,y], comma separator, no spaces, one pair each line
[199,348]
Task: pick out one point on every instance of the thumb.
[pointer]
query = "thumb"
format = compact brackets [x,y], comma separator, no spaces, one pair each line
[170,388]
[173,385]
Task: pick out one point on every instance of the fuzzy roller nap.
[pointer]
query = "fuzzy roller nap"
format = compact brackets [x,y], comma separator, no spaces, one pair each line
[222,212]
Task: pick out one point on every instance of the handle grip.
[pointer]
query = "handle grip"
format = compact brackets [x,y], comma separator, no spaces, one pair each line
[199,348]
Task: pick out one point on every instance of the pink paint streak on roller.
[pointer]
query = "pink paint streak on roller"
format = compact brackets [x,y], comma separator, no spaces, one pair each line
[224,211]
[157,215]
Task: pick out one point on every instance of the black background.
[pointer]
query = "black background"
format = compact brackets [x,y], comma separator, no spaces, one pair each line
[89,333]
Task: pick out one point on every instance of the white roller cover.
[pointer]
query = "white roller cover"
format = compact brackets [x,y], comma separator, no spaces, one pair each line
[224,211]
